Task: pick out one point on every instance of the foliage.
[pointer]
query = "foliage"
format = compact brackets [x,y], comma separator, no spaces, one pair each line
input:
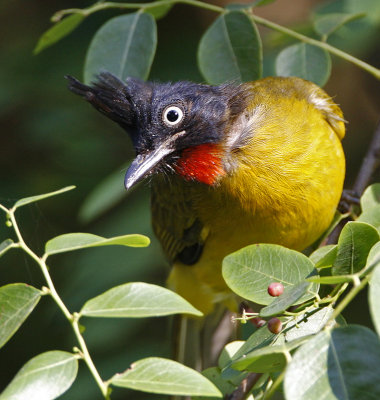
[126,45]
[315,352]
[315,343]
[50,374]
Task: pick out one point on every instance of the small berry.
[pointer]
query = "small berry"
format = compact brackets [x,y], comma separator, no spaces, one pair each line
[274,325]
[275,289]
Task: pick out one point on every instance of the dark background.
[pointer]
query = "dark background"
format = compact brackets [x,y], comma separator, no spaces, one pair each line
[50,139]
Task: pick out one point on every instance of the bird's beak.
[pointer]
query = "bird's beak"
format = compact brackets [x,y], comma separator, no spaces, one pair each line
[144,164]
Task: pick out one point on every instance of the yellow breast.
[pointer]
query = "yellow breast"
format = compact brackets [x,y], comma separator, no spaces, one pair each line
[285,181]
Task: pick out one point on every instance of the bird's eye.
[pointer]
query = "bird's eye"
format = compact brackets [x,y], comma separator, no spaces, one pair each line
[172,115]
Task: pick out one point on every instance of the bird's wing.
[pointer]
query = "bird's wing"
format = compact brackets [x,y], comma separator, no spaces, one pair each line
[175,222]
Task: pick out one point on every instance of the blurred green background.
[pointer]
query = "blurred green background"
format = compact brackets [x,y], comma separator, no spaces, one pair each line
[50,139]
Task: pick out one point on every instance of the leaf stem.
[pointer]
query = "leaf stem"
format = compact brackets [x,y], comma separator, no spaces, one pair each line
[73,319]
[86,356]
[331,49]
[4,209]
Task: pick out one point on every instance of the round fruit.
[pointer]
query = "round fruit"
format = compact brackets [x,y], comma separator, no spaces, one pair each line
[274,325]
[275,289]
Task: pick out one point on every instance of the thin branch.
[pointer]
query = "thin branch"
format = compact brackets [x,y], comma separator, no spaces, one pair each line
[331,49]
[87,358]
[4,209]
[73,319]
[370,164]
[127,6]
[211,7]
[245,387]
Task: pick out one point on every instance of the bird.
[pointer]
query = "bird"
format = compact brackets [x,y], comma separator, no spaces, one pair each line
[229,166]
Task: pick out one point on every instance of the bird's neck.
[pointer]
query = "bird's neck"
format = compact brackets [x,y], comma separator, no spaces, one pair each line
[202,163]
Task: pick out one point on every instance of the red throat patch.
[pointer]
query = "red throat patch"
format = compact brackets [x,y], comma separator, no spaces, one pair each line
[202,163]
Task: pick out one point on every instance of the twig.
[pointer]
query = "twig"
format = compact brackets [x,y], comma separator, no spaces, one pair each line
[323,45]
[370,163]
[245,387]
[72,318]
[211,7]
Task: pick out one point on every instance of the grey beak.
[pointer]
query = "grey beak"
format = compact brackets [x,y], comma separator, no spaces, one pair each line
[144,164]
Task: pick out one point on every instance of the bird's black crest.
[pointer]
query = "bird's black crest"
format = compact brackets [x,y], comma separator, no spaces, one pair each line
[108,95]
[137,106]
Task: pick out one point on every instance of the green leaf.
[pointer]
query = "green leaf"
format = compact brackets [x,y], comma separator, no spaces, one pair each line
[58,31]
[262,337]
[370,203]
[324,257]
[268,358]
[159,375]
[77,241]
[137,300]
[124,46]
[249,271]
[228,352]
[104,196]
[44,377]
[374,286]
[158,11]
[213,374]
[5,245]
[327,24]
[307,324]
[33,199]
[230,50]
[305,61]
[371,198]
[373,259]
[17,301]
[354,244]
[290,296]
[370,7]
[372,217]
[330,280]
[338,364]
[225,360]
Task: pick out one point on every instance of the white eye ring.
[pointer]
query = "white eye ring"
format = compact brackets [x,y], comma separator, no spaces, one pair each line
[172,115]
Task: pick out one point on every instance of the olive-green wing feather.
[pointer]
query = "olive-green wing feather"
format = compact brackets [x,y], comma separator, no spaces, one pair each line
[174,220]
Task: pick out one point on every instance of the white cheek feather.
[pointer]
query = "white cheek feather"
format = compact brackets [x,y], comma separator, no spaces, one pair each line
[243,128]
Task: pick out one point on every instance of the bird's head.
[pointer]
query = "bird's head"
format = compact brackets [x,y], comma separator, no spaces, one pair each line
[173,126]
